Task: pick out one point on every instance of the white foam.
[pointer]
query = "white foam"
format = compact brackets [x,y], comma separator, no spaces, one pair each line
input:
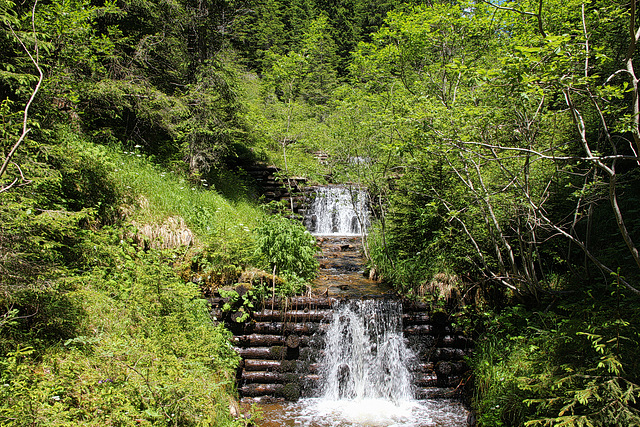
[319,412]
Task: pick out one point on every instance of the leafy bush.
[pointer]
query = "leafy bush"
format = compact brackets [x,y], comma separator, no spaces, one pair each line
[287,248]
[576,366]
[146,353]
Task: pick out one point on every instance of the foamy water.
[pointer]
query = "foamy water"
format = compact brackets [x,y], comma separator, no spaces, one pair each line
[319,412]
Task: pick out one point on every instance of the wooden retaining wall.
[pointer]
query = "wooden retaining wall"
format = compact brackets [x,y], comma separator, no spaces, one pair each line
[280,346]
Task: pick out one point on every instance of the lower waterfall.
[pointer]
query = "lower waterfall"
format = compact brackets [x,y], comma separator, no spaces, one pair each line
[366,377]
[365,356]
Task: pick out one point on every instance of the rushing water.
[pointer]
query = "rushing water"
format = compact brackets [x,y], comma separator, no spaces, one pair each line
[338,210]
[365,367]
[365,356]
[366,377]
[318,412]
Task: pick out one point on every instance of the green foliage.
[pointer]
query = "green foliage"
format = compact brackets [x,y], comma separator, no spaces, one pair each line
[288,249]
[97,329]
[571,367]
[243,303]
[145,353]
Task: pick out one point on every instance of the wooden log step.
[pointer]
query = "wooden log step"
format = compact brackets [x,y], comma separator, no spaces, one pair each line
[290,391]
[454,381]
[253,390]
[301,302]
[444,367]
[425,329]
[448,353]
[425,341]
[459,341]
[270,353]
[417,330]
[436,392]
[415,306]
[425,367]
[258,340]
[416,319]
[270,365]
[313,315]
[269,377]
[425,380]
[264,377]
[301,328]
[312,378]
[261,340]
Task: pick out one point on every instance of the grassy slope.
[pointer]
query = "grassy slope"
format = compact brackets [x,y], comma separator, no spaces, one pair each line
[113,335]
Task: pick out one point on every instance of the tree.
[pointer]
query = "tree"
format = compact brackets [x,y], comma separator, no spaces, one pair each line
[34,57]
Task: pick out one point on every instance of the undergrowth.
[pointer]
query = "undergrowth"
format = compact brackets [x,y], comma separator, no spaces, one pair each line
[97,326]
[574,365]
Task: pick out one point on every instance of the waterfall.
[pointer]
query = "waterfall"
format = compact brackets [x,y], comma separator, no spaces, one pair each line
[365,376]
[365,356]
[338,210]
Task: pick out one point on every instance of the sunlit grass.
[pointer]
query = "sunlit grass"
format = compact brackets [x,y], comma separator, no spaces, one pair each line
[160,194]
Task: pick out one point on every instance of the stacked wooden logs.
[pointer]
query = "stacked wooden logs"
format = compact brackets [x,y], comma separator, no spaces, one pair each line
[275,188]
[280,346]
[440,370]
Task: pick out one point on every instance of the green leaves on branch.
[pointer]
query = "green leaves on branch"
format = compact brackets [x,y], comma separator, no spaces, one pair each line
[287,248]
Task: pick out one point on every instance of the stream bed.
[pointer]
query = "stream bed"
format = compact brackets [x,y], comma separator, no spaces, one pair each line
[368,372]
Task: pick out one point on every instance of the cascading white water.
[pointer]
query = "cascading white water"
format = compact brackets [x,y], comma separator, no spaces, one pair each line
[366,376]
[366,379]
[338,210]
[365,356]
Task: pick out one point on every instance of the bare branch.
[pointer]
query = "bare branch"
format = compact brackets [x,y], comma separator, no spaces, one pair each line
[631,50]
[538,15]
[25,130]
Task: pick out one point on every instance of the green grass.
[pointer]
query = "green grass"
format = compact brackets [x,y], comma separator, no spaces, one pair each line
[159,194]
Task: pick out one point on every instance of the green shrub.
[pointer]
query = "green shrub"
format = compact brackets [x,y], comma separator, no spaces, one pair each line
[145,353]
[286,247]
[576,366]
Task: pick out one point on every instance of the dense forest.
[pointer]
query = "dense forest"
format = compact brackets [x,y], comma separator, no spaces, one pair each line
[498,142]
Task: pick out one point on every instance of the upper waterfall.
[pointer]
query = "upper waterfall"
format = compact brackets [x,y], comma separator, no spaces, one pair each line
[338,210]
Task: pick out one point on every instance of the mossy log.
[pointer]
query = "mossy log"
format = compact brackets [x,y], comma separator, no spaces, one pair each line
[315,315]
[300,328]
[292,341]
